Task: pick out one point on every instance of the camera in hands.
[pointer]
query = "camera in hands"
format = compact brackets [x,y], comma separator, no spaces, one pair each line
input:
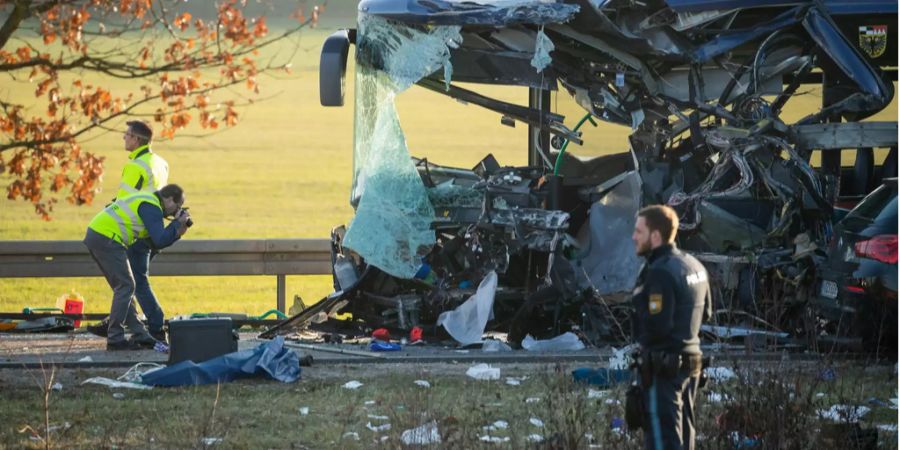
[190,222]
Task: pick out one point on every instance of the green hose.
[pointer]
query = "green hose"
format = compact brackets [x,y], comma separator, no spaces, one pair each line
[566,144]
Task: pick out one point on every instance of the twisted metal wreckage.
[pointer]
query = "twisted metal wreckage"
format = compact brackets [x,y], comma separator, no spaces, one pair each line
[546,248]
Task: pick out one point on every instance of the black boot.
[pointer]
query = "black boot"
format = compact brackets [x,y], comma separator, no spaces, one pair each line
[101,329]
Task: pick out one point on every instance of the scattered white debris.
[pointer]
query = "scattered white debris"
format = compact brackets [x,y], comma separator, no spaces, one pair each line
[423,435]
[86,359]
[513,381]
[483,372]
[55,428]
[351,435]
[493,345]
[820,394]
[207,441]
[532,399]
[716,397]
[534,438]
[536,422]
[115,383]
[593,393]
[567,341]
[612,401]
[304,411]
[461,351]
[135,372]
[719,373]
[376,417]
[352,385]
[844,413]
[57,386]
[422,383]
[369,402]
[498,425]
[495,439]
[888,427]
[378,428]
[118,395]
[620,358]
[384,438]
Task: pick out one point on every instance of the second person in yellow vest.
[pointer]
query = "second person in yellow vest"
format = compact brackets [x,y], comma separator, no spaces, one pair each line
[145,172]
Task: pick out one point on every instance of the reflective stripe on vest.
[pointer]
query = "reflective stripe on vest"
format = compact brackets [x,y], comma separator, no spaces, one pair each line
[154,179]
[120,221]
[149,186]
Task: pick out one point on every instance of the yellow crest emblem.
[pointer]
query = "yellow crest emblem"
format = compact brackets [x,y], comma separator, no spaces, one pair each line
[656,303]
[873,39]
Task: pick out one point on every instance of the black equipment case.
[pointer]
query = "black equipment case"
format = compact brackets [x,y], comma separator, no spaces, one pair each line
[200,339]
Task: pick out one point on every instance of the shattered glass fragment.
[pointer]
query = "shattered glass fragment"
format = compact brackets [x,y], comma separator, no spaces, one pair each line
[391,228]
[449,194]
[542,48]
[477,12]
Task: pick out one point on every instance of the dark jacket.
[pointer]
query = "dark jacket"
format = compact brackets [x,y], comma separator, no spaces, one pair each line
[671,299]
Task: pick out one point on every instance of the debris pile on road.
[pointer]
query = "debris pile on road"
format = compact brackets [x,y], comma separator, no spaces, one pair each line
[545,249]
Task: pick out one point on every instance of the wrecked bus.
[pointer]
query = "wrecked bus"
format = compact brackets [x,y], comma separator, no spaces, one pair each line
[546,248]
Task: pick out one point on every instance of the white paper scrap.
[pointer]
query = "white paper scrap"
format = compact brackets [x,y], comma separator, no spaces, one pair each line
[483,372]
[115,383]
[422,435]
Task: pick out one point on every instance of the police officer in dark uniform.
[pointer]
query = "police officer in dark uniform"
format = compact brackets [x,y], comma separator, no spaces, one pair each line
[670,301]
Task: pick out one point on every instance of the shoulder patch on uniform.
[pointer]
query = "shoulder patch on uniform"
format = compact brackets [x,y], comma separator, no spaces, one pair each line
[655,303]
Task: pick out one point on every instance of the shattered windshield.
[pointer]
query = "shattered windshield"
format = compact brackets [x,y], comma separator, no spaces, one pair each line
[392,226]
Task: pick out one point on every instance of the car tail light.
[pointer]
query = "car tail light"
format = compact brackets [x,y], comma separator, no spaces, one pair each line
[856,289]
[880,248]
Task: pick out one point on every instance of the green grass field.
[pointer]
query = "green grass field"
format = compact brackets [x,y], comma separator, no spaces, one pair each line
[283,172]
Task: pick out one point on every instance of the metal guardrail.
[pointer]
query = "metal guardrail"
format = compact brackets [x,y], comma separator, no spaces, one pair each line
[279,257]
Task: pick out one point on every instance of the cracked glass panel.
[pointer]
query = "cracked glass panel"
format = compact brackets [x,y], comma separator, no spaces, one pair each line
[392,226]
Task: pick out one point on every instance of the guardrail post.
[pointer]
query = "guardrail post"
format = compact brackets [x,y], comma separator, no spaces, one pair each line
[281,292]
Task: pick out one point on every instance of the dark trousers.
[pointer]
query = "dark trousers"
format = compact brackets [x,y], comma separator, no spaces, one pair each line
[112,259]
[669,406]
[139,256]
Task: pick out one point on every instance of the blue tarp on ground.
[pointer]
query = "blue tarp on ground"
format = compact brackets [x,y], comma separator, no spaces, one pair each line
[269,359]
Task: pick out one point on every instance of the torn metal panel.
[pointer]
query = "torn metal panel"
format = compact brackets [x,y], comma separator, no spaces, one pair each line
[733,332]
[609,263]
[845,135]
[723,230]
[724,43]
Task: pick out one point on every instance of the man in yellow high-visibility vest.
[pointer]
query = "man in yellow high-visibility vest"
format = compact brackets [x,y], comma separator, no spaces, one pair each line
[145,172]
[112,232]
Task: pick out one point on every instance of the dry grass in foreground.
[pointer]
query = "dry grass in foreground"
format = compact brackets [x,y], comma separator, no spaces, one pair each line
[773,406]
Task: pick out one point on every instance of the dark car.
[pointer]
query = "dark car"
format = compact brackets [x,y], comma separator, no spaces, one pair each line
[857,289]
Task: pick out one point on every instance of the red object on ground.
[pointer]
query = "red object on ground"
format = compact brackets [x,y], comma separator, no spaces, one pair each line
[73,304]
[382,334]
[415,334]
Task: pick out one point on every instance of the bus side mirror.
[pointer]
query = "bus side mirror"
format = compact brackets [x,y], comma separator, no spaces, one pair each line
[333,67]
